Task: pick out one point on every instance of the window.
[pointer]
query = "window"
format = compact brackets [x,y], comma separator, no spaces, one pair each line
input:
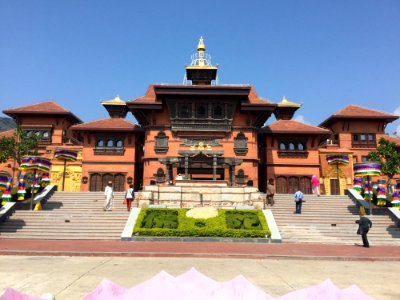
[217,112]
[240,144]
[184,111]
[364,140]
[201,111]
[109,146]
[161,143]
[44,135]
[119,144]
[100,143]
[364,158]
[292,148]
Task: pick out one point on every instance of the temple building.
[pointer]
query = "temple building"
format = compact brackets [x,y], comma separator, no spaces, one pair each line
[203,131]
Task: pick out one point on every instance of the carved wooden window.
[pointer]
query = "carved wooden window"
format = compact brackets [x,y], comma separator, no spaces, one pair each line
[201,111]
[107,145]
[110,143]
[240,144]
[218,112]
[160,175]
[292,148]
[241,178]
[364,140]
[184,111]
[161,143]
[300,146]
[100,143]
[282,146]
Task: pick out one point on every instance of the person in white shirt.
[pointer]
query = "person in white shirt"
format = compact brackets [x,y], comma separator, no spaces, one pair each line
[298,199]
[179,177]
[109,196]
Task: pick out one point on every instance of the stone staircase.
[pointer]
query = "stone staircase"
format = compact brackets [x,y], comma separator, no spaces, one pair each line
[330,220]
[69,216]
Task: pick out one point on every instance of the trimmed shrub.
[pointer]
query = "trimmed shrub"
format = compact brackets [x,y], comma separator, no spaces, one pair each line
[174,222]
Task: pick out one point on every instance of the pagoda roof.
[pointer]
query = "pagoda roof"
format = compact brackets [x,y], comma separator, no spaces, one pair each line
[156,90]
[358,112]
[49,108]
[294,127]
[108,124]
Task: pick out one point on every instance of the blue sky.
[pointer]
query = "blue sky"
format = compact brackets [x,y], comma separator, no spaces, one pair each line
[325,54]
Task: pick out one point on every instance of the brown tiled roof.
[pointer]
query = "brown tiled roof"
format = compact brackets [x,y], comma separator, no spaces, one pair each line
[149,97]
[358,112]
[254,99]
[109,124]
[46,108]
[291,126]
[8,133]
[393,139]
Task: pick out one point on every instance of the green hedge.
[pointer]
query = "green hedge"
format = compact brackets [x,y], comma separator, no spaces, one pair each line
[173,222]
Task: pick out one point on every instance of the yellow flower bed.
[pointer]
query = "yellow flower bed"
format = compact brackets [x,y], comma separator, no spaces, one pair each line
[202,212]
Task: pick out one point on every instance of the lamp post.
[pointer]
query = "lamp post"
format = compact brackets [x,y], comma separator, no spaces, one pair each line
[367,170]
[34,164]
[337,159]
[65,155]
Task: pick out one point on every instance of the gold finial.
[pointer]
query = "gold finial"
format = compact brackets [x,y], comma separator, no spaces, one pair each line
[201,46]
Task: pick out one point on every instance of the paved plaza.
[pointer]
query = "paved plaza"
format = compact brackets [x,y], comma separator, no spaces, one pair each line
[71,269]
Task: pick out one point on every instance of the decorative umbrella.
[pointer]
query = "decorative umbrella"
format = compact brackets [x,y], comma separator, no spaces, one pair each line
[367,169]
[65,155]
[337,159]
[21,188]
[396,196]
[6,197]
[357,182]
[45,180]
[35,164]
[381,193]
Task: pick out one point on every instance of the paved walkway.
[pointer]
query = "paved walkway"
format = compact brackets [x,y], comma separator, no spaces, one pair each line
[197,249]
[70,269]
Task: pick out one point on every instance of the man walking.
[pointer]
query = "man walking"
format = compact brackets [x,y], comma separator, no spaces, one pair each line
[298,199]
[109,195]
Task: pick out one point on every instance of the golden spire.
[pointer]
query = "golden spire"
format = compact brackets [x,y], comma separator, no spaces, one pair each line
[201,46]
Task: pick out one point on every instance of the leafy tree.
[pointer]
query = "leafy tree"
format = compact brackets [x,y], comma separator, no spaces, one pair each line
[18,145]
[388,156]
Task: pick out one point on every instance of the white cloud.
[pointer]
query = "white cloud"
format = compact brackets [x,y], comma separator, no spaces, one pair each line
[301,119]
[397,113]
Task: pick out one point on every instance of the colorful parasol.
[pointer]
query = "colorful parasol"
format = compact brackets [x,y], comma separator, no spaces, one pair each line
[3,181]
[381,193]
[367,169]
[340,159]
[35,164]
[45,180]
[357,182]
[364,169]
[65,155]
[6,197]
[21,188]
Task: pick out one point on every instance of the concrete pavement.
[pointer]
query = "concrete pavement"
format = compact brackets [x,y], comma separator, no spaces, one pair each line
[72,277]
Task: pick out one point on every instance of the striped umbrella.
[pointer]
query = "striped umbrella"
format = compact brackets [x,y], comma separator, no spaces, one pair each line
[367,169]
[34,164]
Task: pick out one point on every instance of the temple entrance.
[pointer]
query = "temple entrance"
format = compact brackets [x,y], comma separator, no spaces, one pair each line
[203,173]
[201,165]
[99,181]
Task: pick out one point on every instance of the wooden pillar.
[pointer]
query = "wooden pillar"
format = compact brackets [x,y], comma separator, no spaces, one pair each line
[214,167]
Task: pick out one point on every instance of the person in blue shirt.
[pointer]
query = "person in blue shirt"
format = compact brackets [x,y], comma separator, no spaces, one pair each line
[298,199]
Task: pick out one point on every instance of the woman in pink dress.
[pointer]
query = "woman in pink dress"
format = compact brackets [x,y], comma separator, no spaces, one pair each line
[315,185]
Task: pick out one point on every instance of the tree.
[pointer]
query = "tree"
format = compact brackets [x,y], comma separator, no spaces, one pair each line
[18,145]
[386,154]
